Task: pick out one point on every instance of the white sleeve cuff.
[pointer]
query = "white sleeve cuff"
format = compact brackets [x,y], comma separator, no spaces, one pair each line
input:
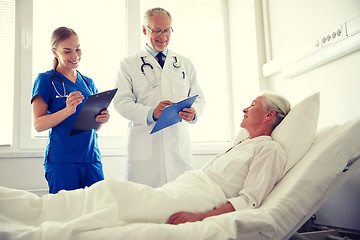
[240,203]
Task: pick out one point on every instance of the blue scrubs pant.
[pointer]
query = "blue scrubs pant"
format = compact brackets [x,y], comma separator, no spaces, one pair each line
[71,176]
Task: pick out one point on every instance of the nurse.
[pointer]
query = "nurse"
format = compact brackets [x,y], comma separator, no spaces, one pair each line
[147,82]
[71,162]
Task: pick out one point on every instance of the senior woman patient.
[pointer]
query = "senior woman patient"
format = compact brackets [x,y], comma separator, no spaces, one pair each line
[247,172]
[237,179]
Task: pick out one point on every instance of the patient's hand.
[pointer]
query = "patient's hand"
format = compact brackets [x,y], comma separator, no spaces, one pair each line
[183,217]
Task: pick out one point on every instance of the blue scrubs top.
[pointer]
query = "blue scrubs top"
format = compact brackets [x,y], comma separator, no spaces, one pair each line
[79,148]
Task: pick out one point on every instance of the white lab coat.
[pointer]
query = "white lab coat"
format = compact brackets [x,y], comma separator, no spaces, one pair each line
[162,156]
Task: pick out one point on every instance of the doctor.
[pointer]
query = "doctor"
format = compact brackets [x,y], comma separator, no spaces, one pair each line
[149,81]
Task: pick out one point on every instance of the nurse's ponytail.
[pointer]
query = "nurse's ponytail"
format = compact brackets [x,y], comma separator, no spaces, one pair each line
[59,35]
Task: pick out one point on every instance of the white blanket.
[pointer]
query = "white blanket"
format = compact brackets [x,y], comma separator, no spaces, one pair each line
[118,210]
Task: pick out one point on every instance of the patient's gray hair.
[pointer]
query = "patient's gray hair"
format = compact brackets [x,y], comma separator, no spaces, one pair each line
[277,103]
[155,11]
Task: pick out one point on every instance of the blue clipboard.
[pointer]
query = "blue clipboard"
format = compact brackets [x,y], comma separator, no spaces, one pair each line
[93,105]
[170,114]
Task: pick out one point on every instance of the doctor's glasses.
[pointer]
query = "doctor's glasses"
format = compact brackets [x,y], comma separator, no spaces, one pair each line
[159,32]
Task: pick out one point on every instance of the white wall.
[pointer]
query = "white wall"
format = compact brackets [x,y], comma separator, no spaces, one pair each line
[28,172]
[338,84]
[295,25]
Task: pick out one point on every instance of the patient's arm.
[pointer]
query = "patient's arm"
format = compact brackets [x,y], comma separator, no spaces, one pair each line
[183,217]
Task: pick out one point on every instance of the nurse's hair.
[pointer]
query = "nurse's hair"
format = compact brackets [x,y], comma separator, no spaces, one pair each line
[155,11]
[57,36]
[277,103]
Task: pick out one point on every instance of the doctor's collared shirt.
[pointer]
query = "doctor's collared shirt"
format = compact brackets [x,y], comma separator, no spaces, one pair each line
[248,172]
[154,52]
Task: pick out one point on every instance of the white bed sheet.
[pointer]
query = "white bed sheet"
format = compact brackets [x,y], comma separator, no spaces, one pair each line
[294,199]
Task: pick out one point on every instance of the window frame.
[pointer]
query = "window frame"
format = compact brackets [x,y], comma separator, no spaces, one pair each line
[23,140]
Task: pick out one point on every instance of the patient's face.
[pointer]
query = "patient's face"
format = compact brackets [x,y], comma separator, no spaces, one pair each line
[254,115]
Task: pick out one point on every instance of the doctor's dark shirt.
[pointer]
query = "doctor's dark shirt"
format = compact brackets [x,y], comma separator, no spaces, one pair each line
[61,147]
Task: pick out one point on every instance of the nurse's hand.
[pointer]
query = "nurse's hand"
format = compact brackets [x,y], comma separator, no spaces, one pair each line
[73,100]
[160,108]
[188,114]
[103,117]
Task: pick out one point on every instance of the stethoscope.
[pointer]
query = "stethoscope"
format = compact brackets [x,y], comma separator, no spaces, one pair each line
[63,84]
[153,82]
[176,64]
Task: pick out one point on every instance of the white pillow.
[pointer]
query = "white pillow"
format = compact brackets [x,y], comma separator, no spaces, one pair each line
[297,130]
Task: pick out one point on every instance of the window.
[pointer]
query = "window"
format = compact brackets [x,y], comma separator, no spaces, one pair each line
[7,58]
[100,26]
[110,30]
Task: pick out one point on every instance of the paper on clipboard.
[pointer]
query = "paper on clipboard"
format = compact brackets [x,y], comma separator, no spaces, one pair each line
[170,114]
[93,105]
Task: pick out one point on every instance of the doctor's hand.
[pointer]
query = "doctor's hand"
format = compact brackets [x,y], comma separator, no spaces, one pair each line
[103,117]
[73,100]
[188,114]
[160,108]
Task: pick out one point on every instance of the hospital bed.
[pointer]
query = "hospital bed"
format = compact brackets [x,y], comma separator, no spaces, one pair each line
[319,162]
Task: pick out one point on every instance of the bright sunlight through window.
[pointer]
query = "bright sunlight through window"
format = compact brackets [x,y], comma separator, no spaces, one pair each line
[199,33]
[101,26]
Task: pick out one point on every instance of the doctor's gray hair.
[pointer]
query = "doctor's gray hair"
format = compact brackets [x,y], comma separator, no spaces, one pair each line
[59,35]
[155,11]
[277,103]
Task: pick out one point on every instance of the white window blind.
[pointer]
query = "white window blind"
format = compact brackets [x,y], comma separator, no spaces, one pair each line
[7,58]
